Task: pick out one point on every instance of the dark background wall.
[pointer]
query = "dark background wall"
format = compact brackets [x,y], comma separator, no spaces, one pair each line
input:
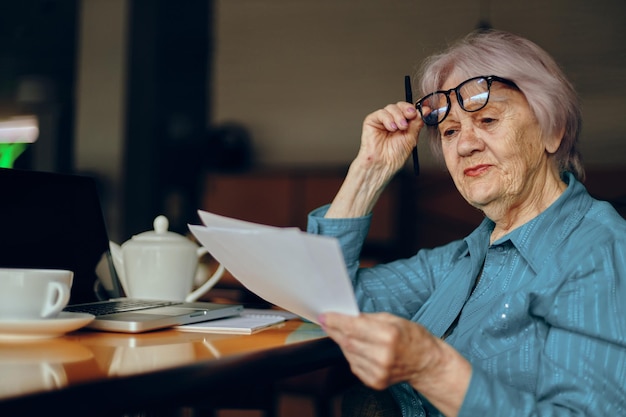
[169,53]
[299,76]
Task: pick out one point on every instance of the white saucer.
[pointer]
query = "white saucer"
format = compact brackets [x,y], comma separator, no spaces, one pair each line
[21,330]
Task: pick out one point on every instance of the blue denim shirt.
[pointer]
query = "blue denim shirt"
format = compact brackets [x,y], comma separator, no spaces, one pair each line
[544,328]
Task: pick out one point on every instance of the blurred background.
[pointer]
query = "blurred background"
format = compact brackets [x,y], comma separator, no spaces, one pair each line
[155,97]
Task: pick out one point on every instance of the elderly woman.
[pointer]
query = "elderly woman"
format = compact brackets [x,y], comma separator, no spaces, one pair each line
[526,316]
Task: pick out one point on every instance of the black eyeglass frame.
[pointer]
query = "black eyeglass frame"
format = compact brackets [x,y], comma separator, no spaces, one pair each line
[489,78]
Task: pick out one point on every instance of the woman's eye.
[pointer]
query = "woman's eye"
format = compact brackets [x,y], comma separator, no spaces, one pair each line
[448,133]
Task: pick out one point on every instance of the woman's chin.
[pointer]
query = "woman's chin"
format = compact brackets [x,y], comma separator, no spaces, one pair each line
[479,195]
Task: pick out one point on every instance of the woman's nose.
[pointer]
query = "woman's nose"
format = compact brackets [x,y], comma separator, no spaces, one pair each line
[469,138]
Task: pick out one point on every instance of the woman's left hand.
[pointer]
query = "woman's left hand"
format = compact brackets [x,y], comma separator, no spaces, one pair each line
[383,350]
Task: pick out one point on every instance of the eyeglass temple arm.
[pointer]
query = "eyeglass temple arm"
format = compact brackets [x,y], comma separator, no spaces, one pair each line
[408,93]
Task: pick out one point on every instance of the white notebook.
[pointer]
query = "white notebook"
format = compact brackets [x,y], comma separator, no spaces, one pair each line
[249,322]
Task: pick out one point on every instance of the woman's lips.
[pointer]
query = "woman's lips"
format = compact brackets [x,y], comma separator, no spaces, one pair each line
[476,170]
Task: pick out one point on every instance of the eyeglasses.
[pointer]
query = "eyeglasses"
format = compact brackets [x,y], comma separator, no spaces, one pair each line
[472,95]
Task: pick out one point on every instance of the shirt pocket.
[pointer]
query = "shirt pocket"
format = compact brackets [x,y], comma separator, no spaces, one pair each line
[507,345]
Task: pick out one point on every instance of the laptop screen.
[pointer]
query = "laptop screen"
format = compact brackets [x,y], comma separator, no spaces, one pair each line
[51,220]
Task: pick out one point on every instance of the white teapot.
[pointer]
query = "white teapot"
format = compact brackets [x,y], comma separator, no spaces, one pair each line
[160,265]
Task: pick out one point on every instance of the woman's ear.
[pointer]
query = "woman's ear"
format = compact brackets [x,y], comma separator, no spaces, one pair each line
[553,141]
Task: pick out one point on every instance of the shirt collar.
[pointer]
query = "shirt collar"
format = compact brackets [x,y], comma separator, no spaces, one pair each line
[477,242]
[541,234]
[545,232]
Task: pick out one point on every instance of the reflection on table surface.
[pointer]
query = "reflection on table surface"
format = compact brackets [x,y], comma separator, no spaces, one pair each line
[83,356]
[38,366]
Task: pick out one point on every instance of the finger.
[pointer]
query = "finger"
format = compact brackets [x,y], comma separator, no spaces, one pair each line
[415,122]
[346,324]
[340,322]
[382,119]
[366,335]
[365,325]
[345,331]
[365,359]
[408,109]
[403,113]
[371,376]
[373,363]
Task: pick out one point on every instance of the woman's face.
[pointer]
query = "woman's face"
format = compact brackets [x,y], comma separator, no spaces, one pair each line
[496,156]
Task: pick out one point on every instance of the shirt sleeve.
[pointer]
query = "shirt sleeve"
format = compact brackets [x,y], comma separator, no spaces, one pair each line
[398,287]
[351,234]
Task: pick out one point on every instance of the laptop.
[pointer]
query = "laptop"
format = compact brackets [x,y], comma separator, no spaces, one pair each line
[51,220]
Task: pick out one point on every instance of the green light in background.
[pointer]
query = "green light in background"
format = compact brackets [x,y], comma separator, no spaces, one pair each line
[15,135]
[9,152]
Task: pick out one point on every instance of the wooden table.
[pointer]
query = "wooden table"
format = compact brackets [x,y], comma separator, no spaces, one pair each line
[88,373]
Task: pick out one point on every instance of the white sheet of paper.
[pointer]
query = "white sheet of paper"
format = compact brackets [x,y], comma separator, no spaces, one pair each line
[300,272]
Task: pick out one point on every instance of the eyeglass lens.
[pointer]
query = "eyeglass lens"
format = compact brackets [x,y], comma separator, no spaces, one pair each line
[472,95]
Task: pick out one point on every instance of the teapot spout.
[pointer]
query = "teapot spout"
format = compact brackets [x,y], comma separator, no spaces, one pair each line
[118,263]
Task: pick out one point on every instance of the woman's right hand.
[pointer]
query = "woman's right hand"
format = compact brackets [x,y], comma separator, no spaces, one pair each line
[388,137]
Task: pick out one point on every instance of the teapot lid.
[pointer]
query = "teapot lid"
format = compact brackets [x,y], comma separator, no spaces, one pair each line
[160,232]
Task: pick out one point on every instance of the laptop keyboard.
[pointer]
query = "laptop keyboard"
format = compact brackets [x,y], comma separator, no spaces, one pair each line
[117,306]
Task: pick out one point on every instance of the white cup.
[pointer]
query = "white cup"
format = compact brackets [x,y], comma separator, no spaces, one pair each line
[32,294]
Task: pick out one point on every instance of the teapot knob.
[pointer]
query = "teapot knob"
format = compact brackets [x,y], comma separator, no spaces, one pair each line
[161,224]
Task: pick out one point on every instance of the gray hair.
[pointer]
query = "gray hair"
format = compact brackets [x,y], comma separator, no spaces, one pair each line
[550,95]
